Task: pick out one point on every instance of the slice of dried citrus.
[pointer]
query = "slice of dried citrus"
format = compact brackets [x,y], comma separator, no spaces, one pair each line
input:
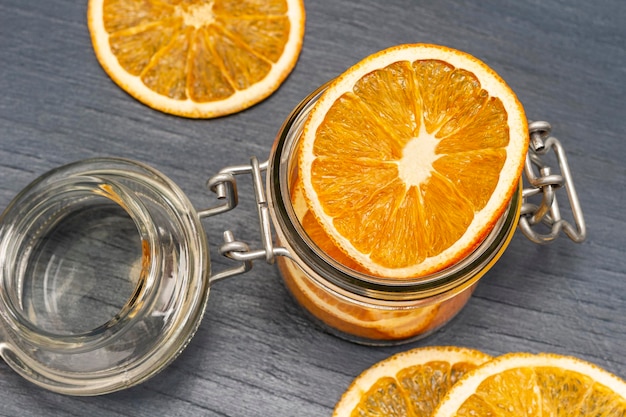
[410,157]
[347,316]
[197,58]
[521,384]
[408,384]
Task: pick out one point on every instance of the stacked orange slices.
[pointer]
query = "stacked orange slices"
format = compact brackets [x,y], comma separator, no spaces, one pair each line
[357,319]
[197,58]
[410,157]
[456,382]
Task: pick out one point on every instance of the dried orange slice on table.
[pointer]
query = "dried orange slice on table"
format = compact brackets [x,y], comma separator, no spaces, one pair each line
[197,58]
[407,384]
[522,384]
[410,157]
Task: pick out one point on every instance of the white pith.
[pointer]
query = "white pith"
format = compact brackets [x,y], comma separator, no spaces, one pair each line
[420,148]
[197,15]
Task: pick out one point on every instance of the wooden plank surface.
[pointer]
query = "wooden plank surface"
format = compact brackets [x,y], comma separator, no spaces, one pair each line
[256,353]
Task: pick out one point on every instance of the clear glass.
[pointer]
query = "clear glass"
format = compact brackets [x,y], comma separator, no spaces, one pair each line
[104,276]
[355,306]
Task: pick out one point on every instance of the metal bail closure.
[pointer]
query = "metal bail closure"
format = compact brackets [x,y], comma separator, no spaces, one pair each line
[224,185]
[544,185]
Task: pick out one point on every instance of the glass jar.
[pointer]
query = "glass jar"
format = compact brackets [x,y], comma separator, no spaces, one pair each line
[355,306]
[105,267]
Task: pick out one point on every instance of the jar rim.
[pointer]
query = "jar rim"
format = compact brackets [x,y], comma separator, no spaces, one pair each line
[308,255]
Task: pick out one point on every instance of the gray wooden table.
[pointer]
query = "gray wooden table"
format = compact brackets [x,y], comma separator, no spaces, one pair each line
[256,354]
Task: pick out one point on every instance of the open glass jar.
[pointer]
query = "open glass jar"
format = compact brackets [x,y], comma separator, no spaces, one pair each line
[74,328]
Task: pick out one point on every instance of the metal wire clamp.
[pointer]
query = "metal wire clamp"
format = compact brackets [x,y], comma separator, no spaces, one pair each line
[224,185]
[546,183]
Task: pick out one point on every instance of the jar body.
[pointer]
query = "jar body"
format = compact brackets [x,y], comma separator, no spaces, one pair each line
[348,303]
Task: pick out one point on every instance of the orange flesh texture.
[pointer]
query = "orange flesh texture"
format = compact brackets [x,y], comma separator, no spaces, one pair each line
[542,391]
[414,391]
[400,103]
[353,318]
[204,51]
[318,235]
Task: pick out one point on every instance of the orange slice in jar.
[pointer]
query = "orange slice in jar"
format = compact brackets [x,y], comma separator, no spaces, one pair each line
[358,321]
[410,157]
[197,58]
[347,316]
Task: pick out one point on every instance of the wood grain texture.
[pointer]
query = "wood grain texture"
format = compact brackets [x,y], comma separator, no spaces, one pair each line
[256,353]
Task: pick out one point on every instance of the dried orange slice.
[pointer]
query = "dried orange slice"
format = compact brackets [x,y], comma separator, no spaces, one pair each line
[410,157]
[197,58]
[408,384]
[351,317]
[522,384]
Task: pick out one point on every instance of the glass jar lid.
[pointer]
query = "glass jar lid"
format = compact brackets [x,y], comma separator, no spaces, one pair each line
[104,277]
